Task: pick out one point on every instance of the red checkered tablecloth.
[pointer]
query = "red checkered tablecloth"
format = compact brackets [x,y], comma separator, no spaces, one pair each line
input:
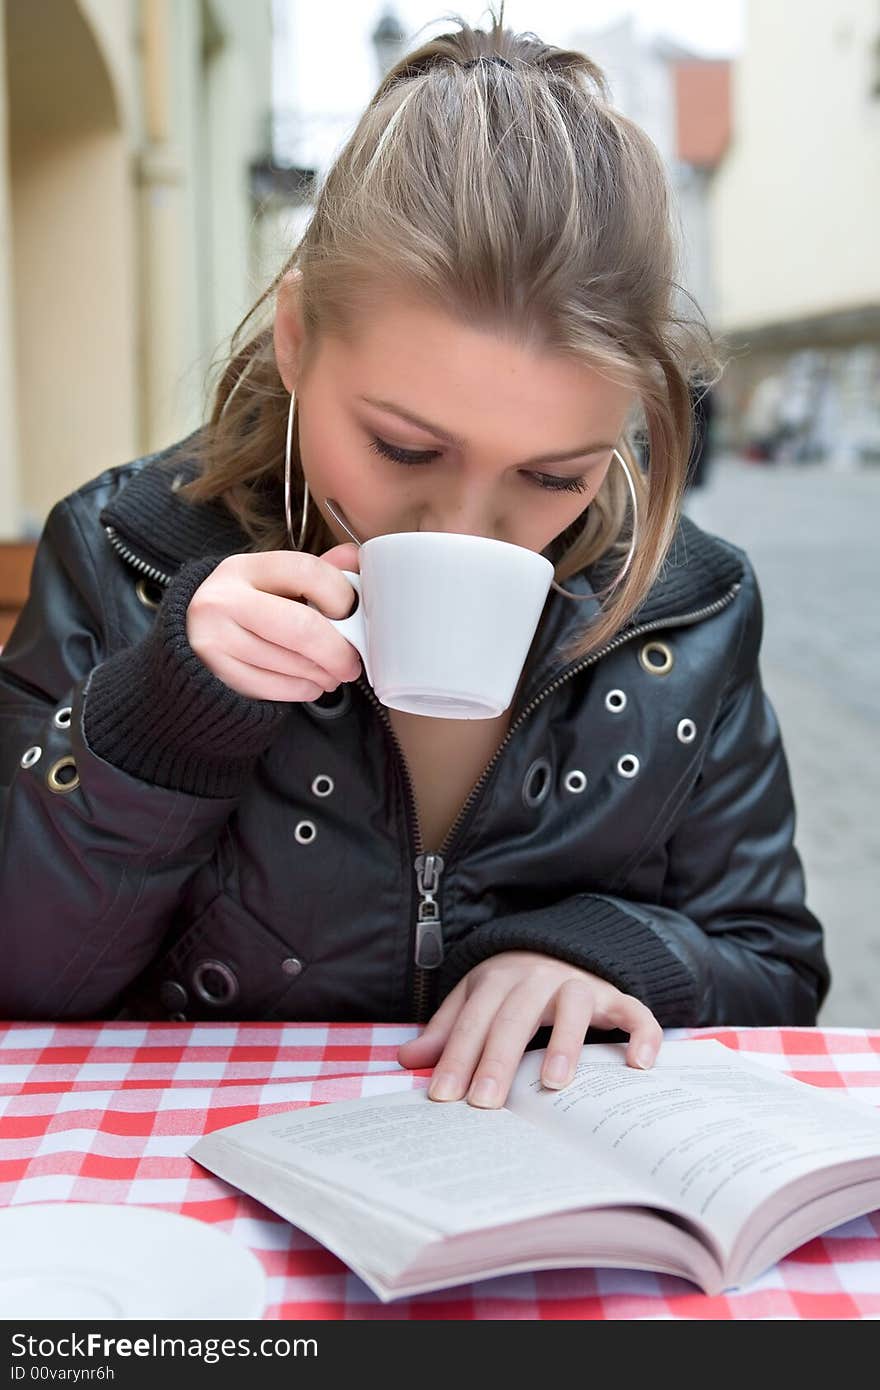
[104,1112]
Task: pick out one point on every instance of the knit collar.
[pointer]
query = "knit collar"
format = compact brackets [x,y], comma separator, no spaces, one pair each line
[163,531]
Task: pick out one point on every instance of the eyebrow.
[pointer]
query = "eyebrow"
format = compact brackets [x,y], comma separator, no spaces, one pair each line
[460,443]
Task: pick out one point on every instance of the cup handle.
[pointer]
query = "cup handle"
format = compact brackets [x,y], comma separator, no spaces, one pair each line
[353,628]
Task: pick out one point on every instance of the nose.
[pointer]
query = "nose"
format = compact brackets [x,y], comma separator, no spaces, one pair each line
[472,516]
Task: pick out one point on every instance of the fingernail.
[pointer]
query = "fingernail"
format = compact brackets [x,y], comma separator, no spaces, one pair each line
[645,1057]
[484,1092]
[556,1070]
[444,1087]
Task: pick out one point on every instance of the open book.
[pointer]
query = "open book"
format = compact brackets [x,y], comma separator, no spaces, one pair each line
[709,1166]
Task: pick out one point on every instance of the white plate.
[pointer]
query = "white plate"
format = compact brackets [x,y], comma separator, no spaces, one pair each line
[91,1260]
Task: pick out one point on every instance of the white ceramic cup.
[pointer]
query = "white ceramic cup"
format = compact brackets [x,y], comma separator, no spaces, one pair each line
[445,621]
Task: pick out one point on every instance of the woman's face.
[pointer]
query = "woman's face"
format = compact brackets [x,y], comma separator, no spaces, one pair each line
[492,416]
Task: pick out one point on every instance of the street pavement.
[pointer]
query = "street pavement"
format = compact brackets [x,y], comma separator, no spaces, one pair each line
[811,534]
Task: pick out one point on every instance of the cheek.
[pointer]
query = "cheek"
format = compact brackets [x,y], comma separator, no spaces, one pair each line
[331,460]
[339,465]
[557,514]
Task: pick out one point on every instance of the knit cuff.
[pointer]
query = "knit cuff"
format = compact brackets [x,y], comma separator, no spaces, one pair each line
[595,934]
[157,712]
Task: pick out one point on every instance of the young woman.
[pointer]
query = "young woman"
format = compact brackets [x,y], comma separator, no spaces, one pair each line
[207,814]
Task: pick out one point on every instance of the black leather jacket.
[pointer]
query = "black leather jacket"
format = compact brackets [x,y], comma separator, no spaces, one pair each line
[171,849]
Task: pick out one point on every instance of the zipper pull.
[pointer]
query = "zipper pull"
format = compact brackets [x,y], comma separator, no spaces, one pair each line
[429,927]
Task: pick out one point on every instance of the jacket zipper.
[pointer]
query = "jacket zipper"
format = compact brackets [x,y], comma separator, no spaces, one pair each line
[428,868]
[428,950]
[149,570]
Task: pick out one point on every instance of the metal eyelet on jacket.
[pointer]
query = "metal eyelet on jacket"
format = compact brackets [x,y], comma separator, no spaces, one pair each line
[215,982]
[575,781]
[305,832]
[656,668]
[628,765]
[53,776]
[615,701]
[536,783]
[340,703]
[149,592]
[173,996]
[292,966]
[61,717]
[686,731]
[31,756]
[323,784]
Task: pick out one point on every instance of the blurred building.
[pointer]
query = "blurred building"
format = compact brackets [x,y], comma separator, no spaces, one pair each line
[683,102]
[795,212]
[306,139]
[128,132]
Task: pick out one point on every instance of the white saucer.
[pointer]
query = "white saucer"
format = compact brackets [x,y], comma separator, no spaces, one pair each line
[91,1260]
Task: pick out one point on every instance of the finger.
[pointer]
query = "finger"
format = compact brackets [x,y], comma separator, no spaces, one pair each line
[299,575]
[299,628]
[513,1025]
[464,1045]
[574,1005]
[635,1018]
[265,685]
[247,647]
[424,1050]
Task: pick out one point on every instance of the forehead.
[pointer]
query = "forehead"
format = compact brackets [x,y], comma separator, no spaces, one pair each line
[419,356]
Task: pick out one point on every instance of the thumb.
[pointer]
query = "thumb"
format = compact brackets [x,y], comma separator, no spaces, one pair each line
[425,1050]
[343,557]
[422,1051]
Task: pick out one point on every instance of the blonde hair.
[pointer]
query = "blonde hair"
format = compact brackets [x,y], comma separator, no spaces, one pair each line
[516,199]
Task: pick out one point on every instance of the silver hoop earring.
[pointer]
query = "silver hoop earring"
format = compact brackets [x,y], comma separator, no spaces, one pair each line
[632,546]
[302,529]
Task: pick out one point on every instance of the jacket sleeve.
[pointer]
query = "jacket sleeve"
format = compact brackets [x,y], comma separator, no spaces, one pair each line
[118,771]
[731,941]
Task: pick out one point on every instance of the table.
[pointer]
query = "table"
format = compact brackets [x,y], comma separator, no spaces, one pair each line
[104,1112]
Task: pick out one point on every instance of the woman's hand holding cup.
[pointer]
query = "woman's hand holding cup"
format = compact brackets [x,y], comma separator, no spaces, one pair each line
[242,624]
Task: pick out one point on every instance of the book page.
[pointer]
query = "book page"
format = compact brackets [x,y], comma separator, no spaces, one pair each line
[713,1133]
[448,1165]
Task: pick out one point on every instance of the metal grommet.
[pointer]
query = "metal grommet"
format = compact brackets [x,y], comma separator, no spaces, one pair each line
[575,781]
[61,717]
[339,703]
[33,755]
[305,832]
[628,765]
[215,982]
[656,668]
[149,592]
[292,966]
[172,995]
[615,701]
[323,784]
[686,731]
[536,783]
[53,776]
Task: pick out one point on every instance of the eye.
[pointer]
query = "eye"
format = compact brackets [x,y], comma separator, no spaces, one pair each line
[390,451]
[549,484]
[545,481]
